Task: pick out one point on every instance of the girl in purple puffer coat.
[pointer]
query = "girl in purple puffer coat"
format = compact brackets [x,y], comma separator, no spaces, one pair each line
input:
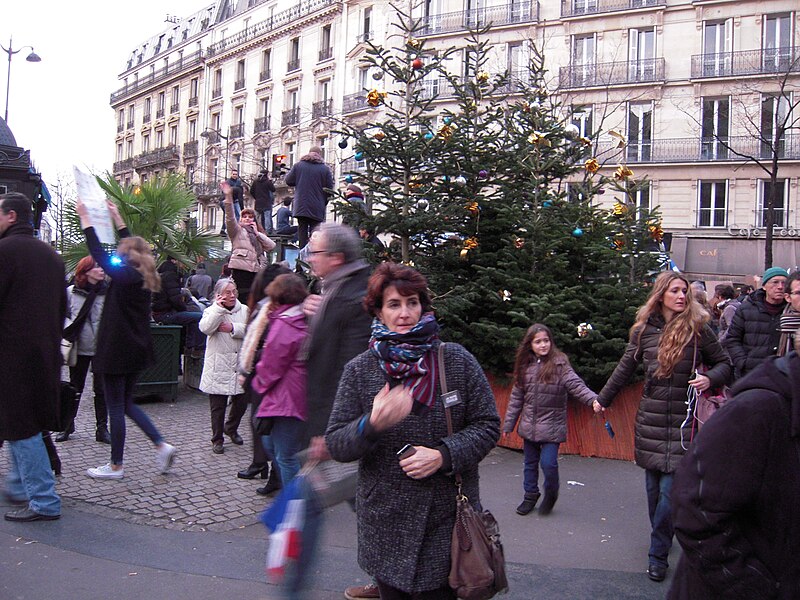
[543,378]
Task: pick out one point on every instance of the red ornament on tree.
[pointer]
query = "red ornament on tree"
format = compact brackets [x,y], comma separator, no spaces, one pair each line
[416,63]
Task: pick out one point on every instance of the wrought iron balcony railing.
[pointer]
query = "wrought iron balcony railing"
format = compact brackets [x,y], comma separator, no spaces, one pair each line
[681,150]
[194,101]
[160,113]
[747,62]
[184,63]
[207,189]
[261,124]
[293,65]
[506,14]
[575,8]
[236,131]
[290,117]
[146,118]
[265,76]
[216,93]
[120,127]
[323,108]
[123,165]
[281,19]
[238,85]
[190,149]
[613,73]
[354,102]
[174,108]
[325,54]
[129,124]
[156,157]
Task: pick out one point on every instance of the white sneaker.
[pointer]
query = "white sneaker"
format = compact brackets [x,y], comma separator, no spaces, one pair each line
[105,472]
[165,458]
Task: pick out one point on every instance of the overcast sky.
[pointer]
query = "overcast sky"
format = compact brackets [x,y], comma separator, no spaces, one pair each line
[59,108]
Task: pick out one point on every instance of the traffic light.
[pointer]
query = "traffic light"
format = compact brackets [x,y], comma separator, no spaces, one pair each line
[278,165]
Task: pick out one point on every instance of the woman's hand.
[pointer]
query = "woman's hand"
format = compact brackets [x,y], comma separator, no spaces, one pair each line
[225,327]
[701,383]
[423,463]
[318,449]
[83,214]
[390,407]
[114,212]
[226,190]
[597,407]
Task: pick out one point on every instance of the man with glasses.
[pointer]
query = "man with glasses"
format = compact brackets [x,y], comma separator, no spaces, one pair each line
[754,333]
[790,319]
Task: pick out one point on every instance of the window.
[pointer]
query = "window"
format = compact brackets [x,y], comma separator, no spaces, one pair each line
[714,128]
[583,59]
[194,86]
[582,7]
[145,143]
[119,151]
[240,75]
[324,90]
[294,55]
[214,169]
[366,24]
[161,105]
[774,114]
[325,46]
[216,92]
[264,107]
[641,197]
[173,135]
[363,78]
[266,65]
[147,107]
[160,138]
[432,15]
[777,44]
[780,203]
[642,54]
[518,62]
[293,98]
[216,121]
[176,97]
[129,149]
[131,112]
[717,44]
[322,142]
[291,153]
[192,134]
[640,130]
[712,207]
[582,119]
[121,119]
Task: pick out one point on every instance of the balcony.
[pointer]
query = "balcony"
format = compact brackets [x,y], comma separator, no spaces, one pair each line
[160,113]
[285,17]
[123,165]
[683,150]
[194,101]
[748,62]
[323,108]
[290,117]
[325,54]
[159,156]
[265,75]
[613,73]
[129,124]
[355,102]
[238,85]
[437,88]
[173,108]
[163,74]
[579,8]
[216,93]
[236,131]
[293,65]
[506,14]
[364,37]
[213,137]
[146,118]
[190,149]
[205,190]
[261,124]
[120,127]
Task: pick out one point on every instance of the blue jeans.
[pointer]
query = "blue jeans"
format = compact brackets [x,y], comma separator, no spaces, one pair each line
[659,487]
[546,454]
[284,442]
[189,320]
[30,476]
[119,399]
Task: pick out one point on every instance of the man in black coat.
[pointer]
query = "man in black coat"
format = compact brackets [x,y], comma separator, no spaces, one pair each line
[310,177]
[736,495]
[754,334]
[263,192]
[32,309]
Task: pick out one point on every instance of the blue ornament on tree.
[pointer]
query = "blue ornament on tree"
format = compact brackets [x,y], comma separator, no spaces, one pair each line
[447,120]
[359,156]
[428,136]
[349,179]
[577,232]
[548,204]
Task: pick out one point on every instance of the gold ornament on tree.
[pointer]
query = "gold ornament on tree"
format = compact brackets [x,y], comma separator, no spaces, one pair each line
[623,173]
[374,97]
[539,139]
[519,243]
[620,210]
[414,43]
[379,135]
[584,329]
[592,166]
[473,209]
[469,244]
[656,233]
[445,132]
[482,77]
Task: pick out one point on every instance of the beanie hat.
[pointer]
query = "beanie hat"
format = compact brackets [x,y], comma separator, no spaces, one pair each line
[773,272]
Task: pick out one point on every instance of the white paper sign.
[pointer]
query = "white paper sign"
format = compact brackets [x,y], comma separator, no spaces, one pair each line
[93,196]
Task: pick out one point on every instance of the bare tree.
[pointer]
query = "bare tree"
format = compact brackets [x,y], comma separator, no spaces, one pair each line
[62,205]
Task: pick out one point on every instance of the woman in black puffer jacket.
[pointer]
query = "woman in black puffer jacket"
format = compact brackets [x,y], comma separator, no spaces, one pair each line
[672,338]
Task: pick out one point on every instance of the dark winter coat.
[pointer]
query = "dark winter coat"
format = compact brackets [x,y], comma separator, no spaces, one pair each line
[543,406]
[338,334]
[33,303]
[170,298]
[263,192]
[736,495]
[124,342]
[404,525]
[662,410]
[310,176]
[754,333]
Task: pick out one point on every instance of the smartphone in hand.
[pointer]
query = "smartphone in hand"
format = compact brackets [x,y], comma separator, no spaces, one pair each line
[406,451]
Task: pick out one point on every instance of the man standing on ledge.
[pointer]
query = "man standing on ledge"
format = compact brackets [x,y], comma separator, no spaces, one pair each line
[32,309]
[310,177]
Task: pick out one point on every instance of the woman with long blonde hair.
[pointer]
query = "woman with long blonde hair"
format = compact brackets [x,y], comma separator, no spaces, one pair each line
[124,344]
[672,339]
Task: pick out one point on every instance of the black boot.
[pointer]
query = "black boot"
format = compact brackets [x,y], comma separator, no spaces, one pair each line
[273,483]
[548,503]
[252,472]
[529,503]
[102,435]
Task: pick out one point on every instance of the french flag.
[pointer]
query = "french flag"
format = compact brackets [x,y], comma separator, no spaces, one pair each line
[284,519]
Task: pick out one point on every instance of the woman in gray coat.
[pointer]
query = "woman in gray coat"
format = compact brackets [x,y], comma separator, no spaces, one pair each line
[672,338]
[389,401]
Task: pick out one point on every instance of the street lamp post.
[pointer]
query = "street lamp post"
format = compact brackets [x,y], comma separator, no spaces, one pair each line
[212,136]
[32,57]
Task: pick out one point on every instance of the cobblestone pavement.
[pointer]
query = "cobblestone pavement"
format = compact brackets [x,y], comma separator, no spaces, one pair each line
[200,493]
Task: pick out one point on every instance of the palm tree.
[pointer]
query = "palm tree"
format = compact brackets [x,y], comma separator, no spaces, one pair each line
[157,210]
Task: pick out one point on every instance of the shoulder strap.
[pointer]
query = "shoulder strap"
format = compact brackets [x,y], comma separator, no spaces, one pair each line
[447,414]
[72,331]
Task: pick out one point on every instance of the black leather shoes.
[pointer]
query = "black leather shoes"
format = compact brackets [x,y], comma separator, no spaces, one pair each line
[656,572]
[26,514]
[102,436]
[252,472]
[218,448]
[549,501]
[62,437]
[236,438]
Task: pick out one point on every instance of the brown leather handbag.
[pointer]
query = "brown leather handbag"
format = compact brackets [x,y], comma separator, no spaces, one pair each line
[477,562]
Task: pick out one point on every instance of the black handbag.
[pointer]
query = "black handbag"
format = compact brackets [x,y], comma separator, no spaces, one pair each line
[477,561]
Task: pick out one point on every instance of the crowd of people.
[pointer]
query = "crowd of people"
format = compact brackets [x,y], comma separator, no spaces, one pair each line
[349,366]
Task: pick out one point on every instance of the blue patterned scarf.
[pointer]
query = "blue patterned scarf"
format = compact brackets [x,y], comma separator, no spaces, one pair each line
[406,358]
